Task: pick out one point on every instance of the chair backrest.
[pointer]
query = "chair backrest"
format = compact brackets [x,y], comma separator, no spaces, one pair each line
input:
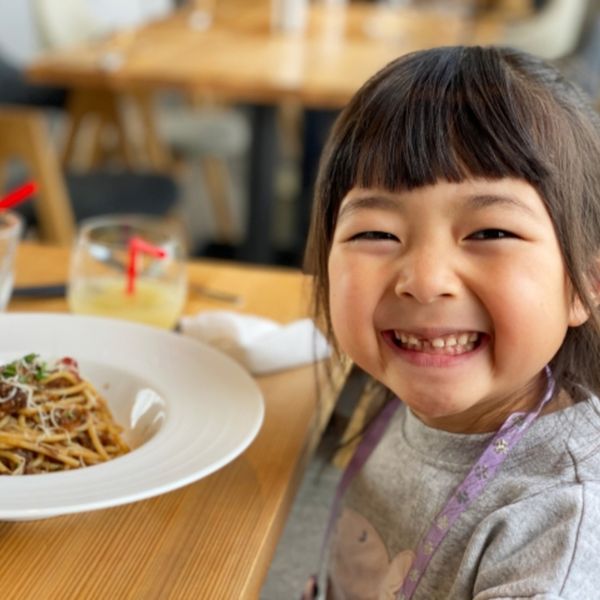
[551,33]
[65,23]
[24,136]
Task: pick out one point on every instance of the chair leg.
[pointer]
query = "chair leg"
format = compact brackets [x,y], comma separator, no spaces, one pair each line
[215,176]
[101,107]
[56,220]
[73,127]
[24,135]
[157,153]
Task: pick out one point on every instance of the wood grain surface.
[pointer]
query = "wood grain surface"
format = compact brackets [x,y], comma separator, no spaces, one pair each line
[212,539]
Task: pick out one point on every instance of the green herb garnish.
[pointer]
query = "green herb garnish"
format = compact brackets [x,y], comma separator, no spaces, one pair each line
[9,370]
[40,372]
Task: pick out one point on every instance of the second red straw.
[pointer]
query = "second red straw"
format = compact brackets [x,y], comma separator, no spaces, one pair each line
[18,195]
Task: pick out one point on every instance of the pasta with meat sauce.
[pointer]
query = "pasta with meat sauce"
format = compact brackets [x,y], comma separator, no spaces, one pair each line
[52,419]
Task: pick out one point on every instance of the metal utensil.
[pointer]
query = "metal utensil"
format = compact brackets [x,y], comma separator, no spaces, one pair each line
[58,290]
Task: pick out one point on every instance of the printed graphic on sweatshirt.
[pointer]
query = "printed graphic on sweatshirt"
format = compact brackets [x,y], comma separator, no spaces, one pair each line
[359,565]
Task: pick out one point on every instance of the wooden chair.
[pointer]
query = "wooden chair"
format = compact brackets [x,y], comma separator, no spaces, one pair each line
[23,136]
[67,198]
[208,139]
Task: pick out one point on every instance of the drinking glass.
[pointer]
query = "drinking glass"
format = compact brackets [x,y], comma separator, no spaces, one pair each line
[202,15]
[11,227]
[102,282]
[289,15]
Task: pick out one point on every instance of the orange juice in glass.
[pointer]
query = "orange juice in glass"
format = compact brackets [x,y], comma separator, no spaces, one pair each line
[101,281]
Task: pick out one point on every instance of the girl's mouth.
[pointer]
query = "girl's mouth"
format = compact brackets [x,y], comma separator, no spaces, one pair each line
[452,344]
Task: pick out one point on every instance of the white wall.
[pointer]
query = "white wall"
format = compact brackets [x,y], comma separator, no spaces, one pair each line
[18,36]
[19,39]
[127,13]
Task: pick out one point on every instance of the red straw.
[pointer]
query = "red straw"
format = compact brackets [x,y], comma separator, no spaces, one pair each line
[18,195]
[137,245]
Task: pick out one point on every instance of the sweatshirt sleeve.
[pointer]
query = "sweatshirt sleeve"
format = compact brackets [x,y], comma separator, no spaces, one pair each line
[546,547]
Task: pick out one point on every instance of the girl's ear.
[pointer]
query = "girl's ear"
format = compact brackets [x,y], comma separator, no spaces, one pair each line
[578,312]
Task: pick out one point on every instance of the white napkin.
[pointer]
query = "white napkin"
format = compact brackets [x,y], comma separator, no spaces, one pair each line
[260,345]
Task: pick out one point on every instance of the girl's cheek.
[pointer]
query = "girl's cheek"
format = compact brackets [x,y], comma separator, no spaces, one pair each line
[340,308]
[348,320]
[337,311]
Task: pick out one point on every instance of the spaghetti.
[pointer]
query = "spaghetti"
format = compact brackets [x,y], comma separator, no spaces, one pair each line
[51,419]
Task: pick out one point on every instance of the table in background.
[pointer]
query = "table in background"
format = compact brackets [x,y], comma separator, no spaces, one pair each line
[240,58]
[212,539]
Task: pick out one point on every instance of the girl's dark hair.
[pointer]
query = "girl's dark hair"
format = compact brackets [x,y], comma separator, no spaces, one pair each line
[489,112]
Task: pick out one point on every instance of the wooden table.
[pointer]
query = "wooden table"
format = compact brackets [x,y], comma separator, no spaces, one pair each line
[241,58]
[212,539]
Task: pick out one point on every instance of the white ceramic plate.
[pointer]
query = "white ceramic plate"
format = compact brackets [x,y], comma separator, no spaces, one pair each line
[187,410]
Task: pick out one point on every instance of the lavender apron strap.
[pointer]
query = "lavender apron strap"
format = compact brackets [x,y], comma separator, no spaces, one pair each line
[480,475]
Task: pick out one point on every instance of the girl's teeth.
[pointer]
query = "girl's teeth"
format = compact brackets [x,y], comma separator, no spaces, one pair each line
[451,344]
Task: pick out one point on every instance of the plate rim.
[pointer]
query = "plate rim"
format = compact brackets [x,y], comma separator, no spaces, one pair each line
[168,484]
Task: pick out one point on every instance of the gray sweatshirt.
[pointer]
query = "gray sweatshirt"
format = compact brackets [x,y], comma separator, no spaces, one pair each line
[533,533]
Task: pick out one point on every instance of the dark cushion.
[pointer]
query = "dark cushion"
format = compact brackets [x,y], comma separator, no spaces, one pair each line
[15,89]
[111,192]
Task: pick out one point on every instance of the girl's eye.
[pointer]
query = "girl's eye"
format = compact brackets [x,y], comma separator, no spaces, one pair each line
[492,234]
[374,236]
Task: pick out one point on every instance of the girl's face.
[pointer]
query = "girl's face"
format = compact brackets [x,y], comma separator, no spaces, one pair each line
[453,295]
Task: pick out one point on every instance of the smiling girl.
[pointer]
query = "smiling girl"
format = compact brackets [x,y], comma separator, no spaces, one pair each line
[455,244]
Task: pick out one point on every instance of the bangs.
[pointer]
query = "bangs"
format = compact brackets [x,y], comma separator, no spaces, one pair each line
[462,113]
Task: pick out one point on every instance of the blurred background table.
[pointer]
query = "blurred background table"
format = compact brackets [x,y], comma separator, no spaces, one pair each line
[240,58]
[211,539]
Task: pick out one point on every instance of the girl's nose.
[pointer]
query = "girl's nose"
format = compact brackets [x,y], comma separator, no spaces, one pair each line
[426,275]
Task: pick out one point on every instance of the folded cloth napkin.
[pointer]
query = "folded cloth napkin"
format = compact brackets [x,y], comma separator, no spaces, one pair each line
[260,345]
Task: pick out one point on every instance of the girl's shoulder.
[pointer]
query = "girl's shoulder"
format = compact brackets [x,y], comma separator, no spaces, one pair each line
[565,444]
[547,541]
